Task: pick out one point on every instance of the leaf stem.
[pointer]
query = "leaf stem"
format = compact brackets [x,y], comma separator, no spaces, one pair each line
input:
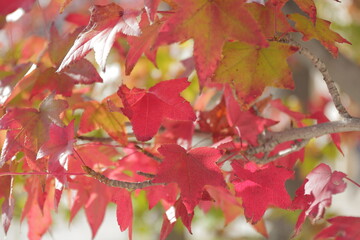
[349,179]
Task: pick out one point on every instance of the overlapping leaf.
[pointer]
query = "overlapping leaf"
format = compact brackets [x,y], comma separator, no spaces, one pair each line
[28,128]
[191,170]
[249,69]
[316,192]
[320,31]
[147,109]
[260,188]
[272,22]
[58,147]
[99,116]
[210,24]
[342,228]
[143,44]
[106,21]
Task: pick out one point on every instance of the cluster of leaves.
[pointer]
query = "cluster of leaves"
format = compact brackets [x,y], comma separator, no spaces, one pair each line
[62,139]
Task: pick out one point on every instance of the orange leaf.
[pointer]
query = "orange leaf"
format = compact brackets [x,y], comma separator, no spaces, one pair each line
[210,24]
[320,31]
[250,68]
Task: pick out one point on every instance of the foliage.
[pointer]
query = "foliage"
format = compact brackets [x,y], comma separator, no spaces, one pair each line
[62,134]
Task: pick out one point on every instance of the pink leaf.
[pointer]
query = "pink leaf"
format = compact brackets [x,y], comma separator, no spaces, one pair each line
[105,22]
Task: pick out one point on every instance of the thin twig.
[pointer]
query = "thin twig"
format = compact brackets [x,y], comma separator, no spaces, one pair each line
[149,154]
[320,65]
[294,148]
[148,175]
[117,183]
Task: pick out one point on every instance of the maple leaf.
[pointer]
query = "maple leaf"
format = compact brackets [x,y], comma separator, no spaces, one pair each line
[62,83]
[38,206]
[28,128]
[316,192]
[180,132]
[105,22]
[342,228]
[216,122]
[8,83]
[245,123]
[99,116]
[151,7]
[146,109]
[271,21]
[165,193]
[143,44]
[210,24]
[58,147]
[249,69]
[191,170]
[320,31]
[224,200]
[308,6]
[94,196]
[261,187]
[122,198]
[6,193]
[179,210]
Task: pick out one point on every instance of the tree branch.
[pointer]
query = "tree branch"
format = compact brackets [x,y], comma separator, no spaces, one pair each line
[294,148]
[271,139]
[117,183]
[320,65]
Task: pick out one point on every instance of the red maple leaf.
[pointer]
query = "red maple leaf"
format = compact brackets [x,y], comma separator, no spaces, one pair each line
[216,122]
[316,193]
[260,188]
[99,116]
[28,128]
[6,193]
[224,200]
[210,24]
[166,194]
[272,22]
[146,109]
[179,210]
[38,206]
[191,170]
[342,228]
[124,210]
[58,148]
[105,22]
[180,132]
[143,43]
[94,196]
[245,122]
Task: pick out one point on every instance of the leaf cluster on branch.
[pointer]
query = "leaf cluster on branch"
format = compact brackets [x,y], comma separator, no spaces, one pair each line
[141,137]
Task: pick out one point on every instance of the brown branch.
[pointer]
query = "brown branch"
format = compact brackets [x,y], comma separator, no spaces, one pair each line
[294,148]
[95,139]
[271,139]
[117,183]
[148,175]
[149,154]
[320,65]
